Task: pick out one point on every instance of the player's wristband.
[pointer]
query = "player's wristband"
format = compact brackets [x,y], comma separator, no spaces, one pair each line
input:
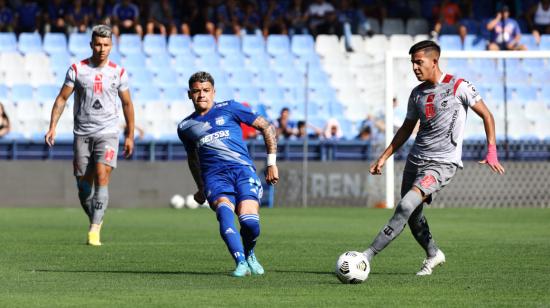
[271,159]
[492,157]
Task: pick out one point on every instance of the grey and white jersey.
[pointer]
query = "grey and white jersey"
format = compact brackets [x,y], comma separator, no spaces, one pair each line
[441,109]
[96,90]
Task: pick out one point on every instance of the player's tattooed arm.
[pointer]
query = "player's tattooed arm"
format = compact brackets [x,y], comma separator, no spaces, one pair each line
[269,132]
[194,166]
[57,110]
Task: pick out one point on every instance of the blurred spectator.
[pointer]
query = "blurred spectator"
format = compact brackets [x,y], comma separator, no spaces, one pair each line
[28,17]
[4,122]
[448,16]
[55,17]
[101,12]
[78,17]
[296,18]
[249,132]
[538,19]
[228,16]
[321,17]
[251,20]
[302,131]
[196,19]
[351,21]
[374,9]
[365,134]
[333,131]
[161,19]
[126,18]
[7,18]
[505,32]
[398,9]
[285,127]
[274,18]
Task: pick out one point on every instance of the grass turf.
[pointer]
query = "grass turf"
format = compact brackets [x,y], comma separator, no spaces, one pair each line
[164,257]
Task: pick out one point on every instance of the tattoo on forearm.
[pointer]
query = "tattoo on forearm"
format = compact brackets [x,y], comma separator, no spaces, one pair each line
[269,133]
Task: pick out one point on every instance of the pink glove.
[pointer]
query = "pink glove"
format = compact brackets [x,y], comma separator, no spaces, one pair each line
[491,158]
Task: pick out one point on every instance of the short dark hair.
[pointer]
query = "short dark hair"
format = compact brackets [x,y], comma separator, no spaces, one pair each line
[200,77]
[427,46]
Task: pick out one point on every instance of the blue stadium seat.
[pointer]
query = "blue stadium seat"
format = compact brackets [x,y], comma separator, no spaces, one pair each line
[167,77]
[179,44]
[204,44]
[141,78]
[55,43]
[522,94]
[46,93]
[147,94]
[450,42]
[159,62]
[79,43]
[258,62]
[130,44]
[115,57]
[272,94]
[60,62]
[240,77]
[529,41]
[545,94]
[317,77]
[249,94]
[208,60]
[517,77]
[283,62]
[154,44]
[224,93]
[393,26]
[321,94]
[278,44]
[302,44]
[540,77]
[174,93]
[545,42]
[233,61]
[8,41]
[417,26]
[29,42]
[229,44]
[267,78]
[133,62]
[3,92]
[253,45]
[292,78]
[474,42]
[21,92]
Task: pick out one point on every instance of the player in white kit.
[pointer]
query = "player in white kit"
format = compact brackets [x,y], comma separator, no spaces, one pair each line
[96,82]
[440,103]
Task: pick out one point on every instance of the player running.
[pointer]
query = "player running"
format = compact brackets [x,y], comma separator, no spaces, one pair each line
[223,170]
[440,102]
[96,81]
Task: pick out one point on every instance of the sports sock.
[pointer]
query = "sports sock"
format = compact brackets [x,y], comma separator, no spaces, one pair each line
[85,195]
[421,231]
[228,232]
[250,230]
[99,204]
[396,224]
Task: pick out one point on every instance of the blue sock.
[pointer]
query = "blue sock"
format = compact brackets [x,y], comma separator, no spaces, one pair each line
[250,230]
[228,231]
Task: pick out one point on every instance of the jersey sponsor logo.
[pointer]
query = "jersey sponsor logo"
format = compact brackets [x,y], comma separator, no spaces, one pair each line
[214,136]
[388,230]
[229,231]
[97,105]
[98,84]
[427,181]
[220,121]
[452,126]
[109,154]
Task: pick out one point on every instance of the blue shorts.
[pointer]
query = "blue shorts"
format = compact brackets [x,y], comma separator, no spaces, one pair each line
[236,183]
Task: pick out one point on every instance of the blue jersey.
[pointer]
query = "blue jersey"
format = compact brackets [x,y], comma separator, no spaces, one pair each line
[217,136]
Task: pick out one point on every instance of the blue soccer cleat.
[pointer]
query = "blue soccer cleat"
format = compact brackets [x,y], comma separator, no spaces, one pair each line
[241,270]
[255,266]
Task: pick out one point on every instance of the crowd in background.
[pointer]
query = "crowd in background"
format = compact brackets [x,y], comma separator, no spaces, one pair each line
[263,16]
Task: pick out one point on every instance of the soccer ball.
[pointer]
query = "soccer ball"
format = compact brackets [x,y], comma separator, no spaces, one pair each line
[177,201]
[190,202]
[352,267]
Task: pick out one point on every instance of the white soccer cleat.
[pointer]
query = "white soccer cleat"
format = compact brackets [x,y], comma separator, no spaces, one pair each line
[430,263]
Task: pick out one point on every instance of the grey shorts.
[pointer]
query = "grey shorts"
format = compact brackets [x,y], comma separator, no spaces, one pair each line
[89,150]
[429,176]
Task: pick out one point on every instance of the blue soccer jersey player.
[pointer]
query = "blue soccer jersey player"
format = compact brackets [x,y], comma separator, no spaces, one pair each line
[223,170]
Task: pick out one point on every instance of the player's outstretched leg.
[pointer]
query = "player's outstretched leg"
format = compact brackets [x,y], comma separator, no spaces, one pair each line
[396,224]
[85,195]
[99,206]
[226,219]
[250,230]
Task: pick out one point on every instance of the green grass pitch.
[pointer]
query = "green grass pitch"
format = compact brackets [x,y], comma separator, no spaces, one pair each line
[165,258]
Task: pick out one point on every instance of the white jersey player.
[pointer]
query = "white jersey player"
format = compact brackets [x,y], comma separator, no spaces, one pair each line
[97,82]
[440,103]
